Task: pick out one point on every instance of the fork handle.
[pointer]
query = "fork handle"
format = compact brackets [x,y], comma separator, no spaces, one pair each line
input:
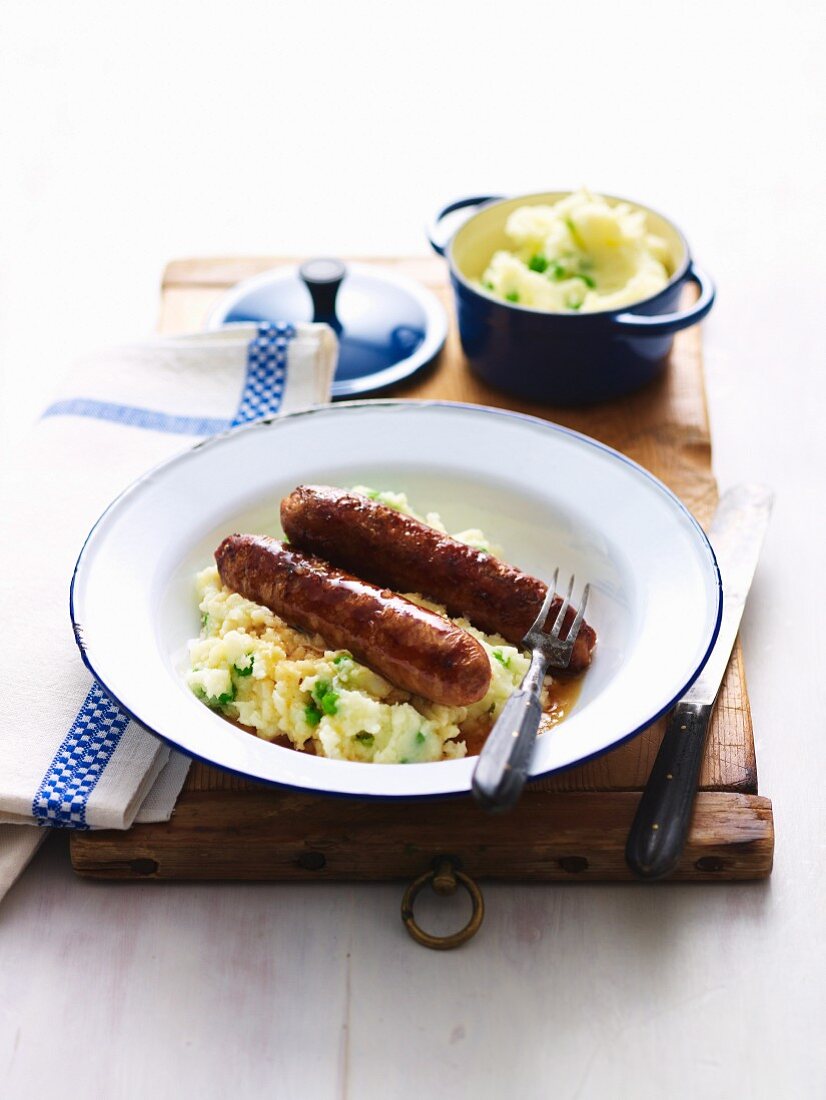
[660,827]
[503,764]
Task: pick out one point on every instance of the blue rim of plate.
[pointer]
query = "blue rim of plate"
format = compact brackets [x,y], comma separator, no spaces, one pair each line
[435,333]
[389,402]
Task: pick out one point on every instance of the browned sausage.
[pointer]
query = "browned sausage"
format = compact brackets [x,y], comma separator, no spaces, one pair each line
[412,647]
[389,548]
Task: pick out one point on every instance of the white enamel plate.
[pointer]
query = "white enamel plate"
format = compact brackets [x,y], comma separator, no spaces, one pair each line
[550,497]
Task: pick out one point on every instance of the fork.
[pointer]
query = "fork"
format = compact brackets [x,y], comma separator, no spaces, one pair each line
[503,763]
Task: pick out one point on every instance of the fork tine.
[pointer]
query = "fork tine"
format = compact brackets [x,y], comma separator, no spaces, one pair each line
[580,615]
[560,617]
[539,621]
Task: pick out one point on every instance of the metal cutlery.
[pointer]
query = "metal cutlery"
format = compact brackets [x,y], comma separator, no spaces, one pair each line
[660,827]
[502,768]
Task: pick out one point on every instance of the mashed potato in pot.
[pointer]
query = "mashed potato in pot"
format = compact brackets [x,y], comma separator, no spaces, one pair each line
[249,665]
[580,254]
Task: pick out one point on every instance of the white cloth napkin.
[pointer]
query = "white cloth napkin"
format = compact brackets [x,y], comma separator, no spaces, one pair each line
[68,756]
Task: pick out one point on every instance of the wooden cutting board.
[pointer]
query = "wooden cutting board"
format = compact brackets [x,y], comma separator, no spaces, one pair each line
[571,826]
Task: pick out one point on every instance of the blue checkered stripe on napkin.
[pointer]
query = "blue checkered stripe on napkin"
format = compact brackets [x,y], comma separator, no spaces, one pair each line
[63,794]
[266,373]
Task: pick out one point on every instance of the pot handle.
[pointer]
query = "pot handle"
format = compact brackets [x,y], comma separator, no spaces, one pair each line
[672,322]
[436,242]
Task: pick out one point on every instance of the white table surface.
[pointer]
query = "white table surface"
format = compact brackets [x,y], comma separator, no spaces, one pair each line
[133,134]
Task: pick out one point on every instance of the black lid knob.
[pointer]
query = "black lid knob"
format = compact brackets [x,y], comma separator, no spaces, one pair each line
[323,277]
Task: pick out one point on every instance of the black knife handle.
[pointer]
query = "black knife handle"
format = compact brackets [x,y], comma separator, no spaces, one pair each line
[658,833]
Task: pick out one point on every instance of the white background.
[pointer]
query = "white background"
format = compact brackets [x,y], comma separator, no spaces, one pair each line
[132,133]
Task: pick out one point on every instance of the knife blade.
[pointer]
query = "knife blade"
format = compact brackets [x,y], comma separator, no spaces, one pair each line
[657,835]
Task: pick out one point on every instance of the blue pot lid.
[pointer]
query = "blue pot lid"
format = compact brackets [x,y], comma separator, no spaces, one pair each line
[388,326]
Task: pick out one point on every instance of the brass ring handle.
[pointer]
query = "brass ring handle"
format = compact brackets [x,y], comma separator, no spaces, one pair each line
[443,878]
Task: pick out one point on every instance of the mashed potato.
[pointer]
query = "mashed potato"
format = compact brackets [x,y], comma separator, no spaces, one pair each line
[249,665]
[579,254]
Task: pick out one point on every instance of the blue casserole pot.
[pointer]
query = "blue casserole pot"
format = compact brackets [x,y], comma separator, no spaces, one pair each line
[563,358]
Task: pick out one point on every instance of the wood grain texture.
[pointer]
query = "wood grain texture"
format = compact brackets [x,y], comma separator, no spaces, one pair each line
[571,826]
[272,835]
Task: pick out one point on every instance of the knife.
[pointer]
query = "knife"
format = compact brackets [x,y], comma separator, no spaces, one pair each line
[658,833]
